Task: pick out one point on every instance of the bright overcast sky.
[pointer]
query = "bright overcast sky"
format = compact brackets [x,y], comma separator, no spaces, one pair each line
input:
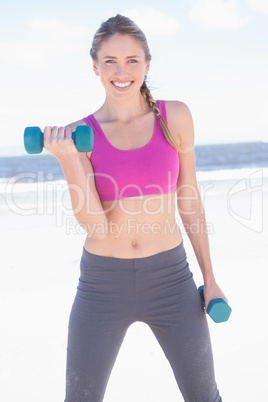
[210,54]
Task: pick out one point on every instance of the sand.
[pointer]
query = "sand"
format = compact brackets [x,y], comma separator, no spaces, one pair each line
[38,277]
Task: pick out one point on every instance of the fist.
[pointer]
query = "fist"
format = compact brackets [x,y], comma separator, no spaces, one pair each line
[213,292]
[58,141]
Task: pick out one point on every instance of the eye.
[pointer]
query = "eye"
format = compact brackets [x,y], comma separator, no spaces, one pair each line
[133,61]
[109,61]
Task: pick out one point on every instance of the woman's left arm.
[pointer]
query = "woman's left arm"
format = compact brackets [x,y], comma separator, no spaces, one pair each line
[189,202]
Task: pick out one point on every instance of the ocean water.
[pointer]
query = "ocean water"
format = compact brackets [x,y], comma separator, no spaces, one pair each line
[44,167]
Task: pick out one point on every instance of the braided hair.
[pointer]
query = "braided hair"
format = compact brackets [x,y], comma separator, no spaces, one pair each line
[125,26]
[145,91]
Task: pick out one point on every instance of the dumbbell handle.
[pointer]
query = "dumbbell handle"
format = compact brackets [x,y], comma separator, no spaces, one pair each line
[217,309]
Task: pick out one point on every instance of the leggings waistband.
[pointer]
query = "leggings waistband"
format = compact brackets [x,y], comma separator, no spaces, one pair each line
[158,259]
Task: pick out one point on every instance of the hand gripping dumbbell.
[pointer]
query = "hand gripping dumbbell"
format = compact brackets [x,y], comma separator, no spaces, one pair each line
[34,139]
[217,309]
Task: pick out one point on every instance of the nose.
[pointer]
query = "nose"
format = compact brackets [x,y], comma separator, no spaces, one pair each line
[121,70]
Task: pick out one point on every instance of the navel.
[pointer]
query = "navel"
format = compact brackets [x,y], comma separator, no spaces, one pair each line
[134,243]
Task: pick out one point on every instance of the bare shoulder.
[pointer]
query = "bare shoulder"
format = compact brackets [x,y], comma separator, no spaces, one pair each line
[180,123]
[175,106]
[75,124]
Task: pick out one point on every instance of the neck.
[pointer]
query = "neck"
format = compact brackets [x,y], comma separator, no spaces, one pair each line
[125,110]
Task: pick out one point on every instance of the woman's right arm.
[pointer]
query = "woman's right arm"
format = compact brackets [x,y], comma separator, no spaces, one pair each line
[79,175]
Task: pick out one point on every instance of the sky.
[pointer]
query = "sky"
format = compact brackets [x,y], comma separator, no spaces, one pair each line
[210,54]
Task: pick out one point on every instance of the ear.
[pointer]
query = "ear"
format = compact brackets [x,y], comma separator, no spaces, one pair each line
[147,68]
[95,68]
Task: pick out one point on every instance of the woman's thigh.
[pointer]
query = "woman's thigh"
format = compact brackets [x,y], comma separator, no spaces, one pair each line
[170,304]
[186,344]
[101,314]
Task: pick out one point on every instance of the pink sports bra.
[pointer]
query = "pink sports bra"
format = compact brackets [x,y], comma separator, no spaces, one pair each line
[151,169]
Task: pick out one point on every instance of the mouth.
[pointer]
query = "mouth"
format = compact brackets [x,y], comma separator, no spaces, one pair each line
[122,85]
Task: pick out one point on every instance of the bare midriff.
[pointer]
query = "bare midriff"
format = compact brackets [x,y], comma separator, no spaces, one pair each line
[137,227]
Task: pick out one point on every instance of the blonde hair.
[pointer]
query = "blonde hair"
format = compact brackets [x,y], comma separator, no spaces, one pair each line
[154,107]
[125,26]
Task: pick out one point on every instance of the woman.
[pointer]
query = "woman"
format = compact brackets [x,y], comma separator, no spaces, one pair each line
[124,193]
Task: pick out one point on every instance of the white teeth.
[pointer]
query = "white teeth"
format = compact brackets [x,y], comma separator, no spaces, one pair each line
[122,84]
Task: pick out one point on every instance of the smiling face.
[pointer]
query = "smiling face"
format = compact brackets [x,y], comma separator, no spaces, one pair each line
[121,65]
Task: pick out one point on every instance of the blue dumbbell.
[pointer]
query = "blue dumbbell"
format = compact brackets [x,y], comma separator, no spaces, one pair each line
[217,309]
[34,139]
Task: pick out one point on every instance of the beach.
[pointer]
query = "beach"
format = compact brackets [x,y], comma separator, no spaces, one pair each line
[41,247]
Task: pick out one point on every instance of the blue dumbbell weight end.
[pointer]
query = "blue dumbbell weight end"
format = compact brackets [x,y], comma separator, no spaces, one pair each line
[217,309]
[34,139]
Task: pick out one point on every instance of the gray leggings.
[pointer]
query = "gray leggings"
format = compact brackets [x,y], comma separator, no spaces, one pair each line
[158,290]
